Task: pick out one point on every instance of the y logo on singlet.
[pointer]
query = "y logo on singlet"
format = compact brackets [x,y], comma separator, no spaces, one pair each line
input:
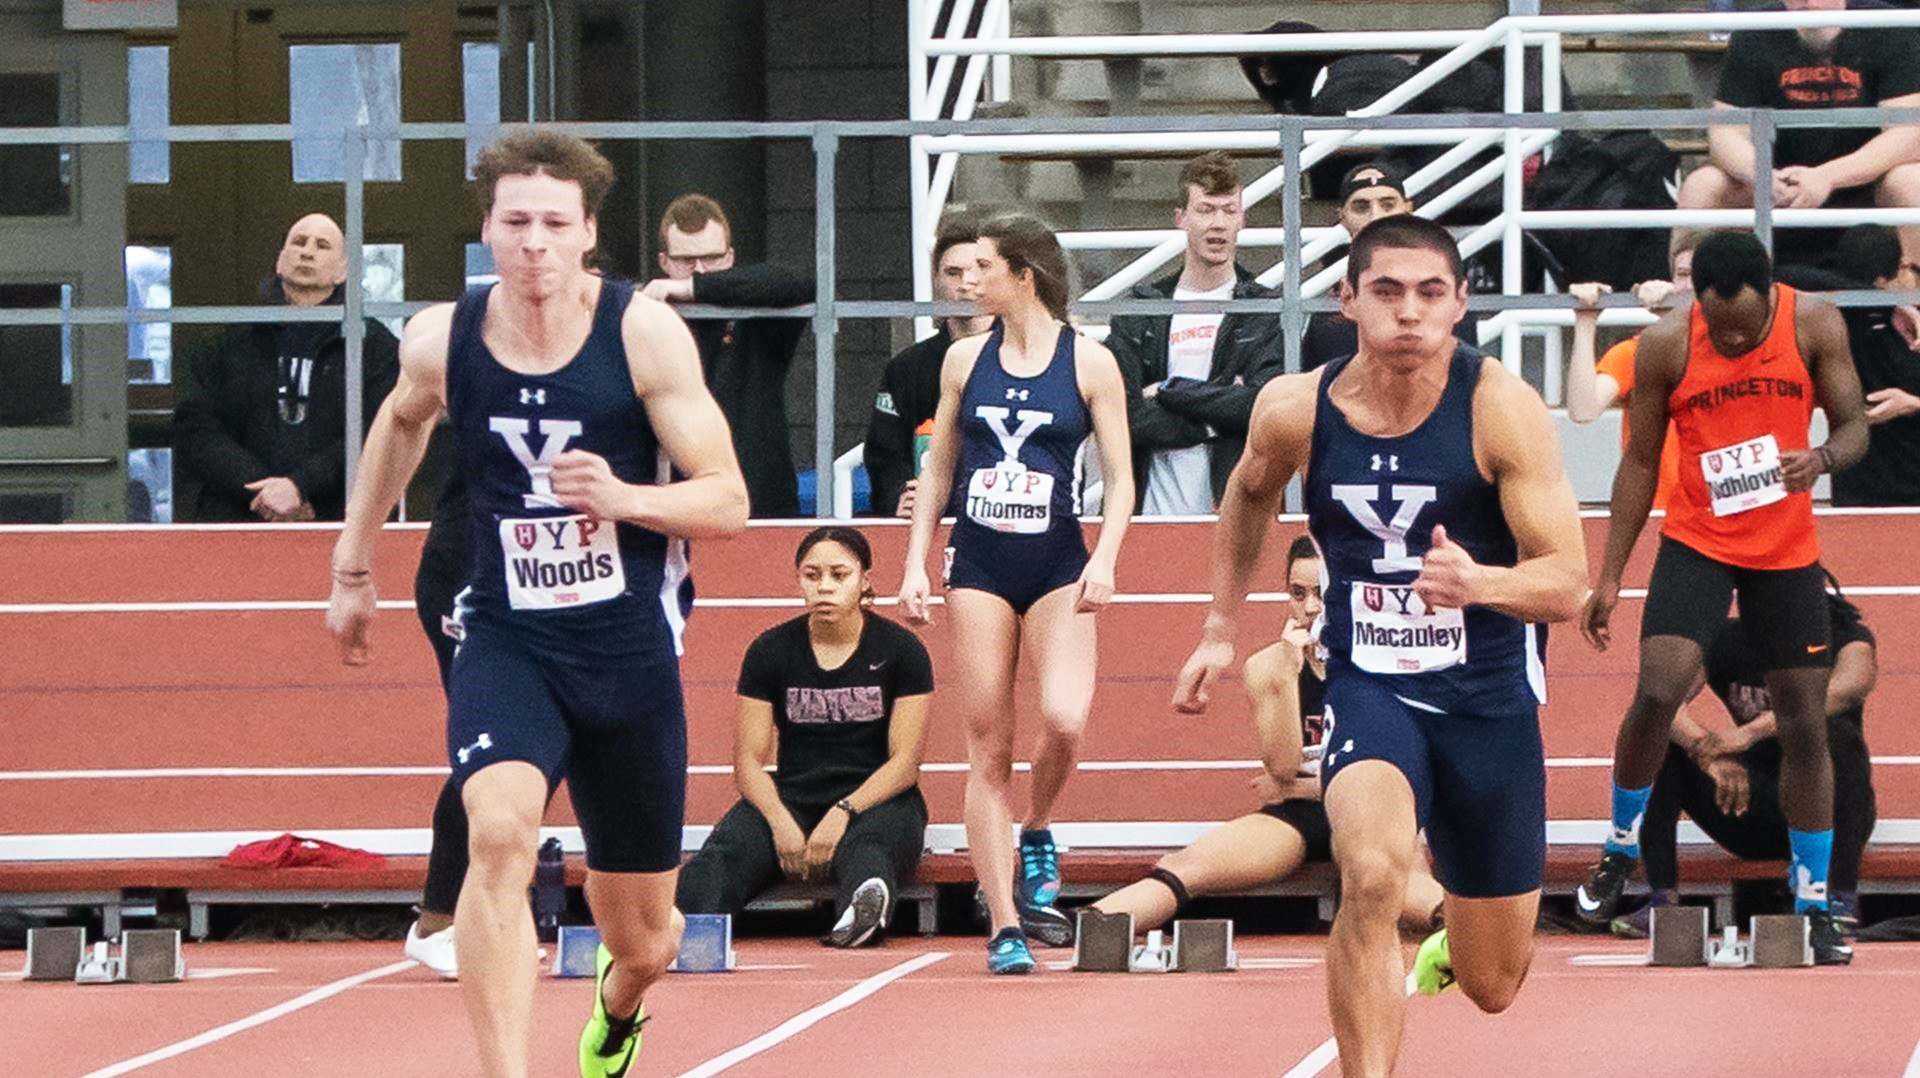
[558,433]
[1011,441]
[1409,500]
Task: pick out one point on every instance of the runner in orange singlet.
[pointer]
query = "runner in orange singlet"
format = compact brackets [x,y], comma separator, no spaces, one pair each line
[1738,374]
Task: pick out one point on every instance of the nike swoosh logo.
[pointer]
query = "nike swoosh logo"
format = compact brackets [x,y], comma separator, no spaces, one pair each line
[1815,649]
[876,666]
[1588,904]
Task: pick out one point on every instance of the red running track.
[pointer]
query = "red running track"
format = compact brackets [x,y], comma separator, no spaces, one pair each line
[141,688]
[949,1018]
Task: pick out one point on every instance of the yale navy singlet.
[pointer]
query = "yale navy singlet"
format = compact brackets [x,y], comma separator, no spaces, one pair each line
[1020,438]
[568,580]
[1372,504]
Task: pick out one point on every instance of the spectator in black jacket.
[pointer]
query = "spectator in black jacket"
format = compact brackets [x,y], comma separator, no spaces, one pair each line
[1191,378]
[1368,190]
[1882,341]
[261,422]
[746,360]
[910,387]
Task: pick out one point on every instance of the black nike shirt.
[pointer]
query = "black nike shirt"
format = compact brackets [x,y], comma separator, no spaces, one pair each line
[833,724]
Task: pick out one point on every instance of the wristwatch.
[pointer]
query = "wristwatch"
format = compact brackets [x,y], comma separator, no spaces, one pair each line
[845,805]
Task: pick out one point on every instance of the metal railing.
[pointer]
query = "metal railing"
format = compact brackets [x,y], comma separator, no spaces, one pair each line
[1298,138]
[927,91]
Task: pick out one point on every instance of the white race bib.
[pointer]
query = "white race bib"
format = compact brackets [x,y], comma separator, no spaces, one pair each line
[1744,476]
[555,562]
[1396,632]
[1009,498]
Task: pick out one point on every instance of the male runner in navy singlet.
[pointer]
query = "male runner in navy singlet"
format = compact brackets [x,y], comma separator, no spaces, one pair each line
[592,450]
[1447,528]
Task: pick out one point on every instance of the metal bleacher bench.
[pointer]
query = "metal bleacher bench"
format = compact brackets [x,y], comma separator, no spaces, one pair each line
[120,887]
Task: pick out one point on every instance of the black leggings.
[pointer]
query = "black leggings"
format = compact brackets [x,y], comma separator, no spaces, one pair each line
[739,859]
[1760,834]
[435,585]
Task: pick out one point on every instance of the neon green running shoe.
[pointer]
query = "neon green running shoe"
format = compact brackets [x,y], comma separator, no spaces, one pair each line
[1433,965]
[608,1047]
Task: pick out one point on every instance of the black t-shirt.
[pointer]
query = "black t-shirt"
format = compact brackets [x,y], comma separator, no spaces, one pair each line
[832,723]
[1735,674]
[1774,69]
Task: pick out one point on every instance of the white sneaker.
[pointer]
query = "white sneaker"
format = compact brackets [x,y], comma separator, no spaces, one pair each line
[434,952]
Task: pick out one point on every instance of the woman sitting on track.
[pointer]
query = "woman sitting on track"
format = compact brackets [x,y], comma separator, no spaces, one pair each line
[1016,407]
[843,693]
[1290,829]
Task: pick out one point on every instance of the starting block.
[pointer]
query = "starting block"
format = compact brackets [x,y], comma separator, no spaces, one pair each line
[151,956]
[1102,942]
[1731,953]
[1677,936]
[1204,947]
[707,945]
[576,951]
[1780,941]
[53,954]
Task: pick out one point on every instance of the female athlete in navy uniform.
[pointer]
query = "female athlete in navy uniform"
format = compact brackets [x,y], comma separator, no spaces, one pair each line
[1016,406]
[574,405]
[1435,493]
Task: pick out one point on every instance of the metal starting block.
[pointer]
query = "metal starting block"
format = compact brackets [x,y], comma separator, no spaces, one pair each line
[151,956]
[707,945]
[53,954]
[1780,941]
[1731,953]
[1677,936]
[1102,942]
[576,951]
[1204,947]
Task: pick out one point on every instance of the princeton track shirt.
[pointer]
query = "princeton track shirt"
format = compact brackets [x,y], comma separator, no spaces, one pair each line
[1732,418]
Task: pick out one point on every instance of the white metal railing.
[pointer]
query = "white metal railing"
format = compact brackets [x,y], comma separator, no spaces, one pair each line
[934,157]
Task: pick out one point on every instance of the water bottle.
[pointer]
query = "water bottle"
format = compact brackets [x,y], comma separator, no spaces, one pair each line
[549,890]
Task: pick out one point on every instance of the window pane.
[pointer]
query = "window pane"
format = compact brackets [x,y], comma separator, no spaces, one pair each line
[149,288]
[35,181]
[35,507]
[480,67]
[480,265]
[384,277]
[33,365]
[150,486]
[148,111]
[332,87]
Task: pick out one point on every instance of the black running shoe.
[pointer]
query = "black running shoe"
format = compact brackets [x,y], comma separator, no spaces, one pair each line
[865,915]
[1598,899]
[1046,925]
[1830,946]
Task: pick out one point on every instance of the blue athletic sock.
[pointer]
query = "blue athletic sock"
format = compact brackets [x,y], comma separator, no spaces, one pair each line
[1629,808]
[1807,875]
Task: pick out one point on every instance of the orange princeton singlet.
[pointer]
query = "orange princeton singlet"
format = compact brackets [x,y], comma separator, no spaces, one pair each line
[1732,418]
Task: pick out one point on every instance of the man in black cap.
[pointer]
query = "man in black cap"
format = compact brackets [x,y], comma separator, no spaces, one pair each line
[1369,190]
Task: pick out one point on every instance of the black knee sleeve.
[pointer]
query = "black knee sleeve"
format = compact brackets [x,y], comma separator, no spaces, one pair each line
[1172,883]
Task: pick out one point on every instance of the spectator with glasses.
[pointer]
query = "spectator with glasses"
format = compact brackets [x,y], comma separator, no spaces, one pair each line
[747,359]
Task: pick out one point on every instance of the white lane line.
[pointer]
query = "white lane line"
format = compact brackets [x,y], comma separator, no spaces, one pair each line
[320,994]
[1320,1058]
[805,1019]
[1913,1064]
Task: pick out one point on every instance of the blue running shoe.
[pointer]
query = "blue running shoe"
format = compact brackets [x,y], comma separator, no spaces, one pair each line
[1039,870]
[1007,952]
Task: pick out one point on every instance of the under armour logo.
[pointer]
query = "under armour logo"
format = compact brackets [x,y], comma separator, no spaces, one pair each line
[1393,462]
[533,396]
[485,741]
[1018,394]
